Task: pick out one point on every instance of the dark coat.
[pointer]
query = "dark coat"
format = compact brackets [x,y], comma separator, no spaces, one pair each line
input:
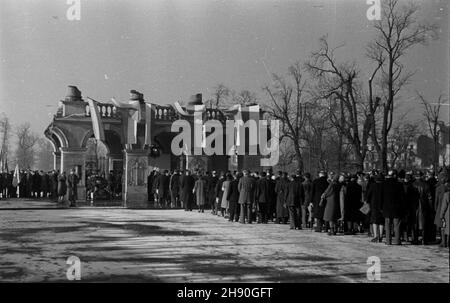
[425,211]
[353,202]
[393,197]
[200,189]
[162,184]
[62,185]
[187,185]
[439,197]
[262,191]
[72,181]
[411,203]
[332,203]
[281,188]
[174,184]
[374,196]
[233,193]
[36,182]
[307,189]
[445,211]
[319,186]
[295,194]
[246,188]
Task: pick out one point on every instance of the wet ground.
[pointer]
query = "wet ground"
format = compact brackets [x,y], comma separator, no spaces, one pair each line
[123,245]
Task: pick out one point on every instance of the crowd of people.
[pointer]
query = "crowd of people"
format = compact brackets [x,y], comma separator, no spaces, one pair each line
[412,207]
[38,184]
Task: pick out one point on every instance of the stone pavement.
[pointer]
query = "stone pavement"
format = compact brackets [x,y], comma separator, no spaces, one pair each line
[123,245]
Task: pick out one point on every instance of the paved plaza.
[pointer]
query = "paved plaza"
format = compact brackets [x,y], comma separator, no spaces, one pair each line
[124,245]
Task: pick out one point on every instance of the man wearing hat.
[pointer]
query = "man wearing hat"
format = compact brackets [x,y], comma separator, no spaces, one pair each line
[392,206]
[424,213]
[319,186]
[174,188]
[246,191]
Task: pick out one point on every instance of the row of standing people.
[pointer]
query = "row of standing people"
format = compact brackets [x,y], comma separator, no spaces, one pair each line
[414,205]
[38,184]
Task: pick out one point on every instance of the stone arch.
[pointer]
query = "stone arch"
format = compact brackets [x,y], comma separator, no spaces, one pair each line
[57,137]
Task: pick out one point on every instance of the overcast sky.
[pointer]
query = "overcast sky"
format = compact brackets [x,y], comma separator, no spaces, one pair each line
[170,50]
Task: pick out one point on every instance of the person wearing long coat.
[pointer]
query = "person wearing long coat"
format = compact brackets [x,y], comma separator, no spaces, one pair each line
[392,207]
[424,214]
[331,198]
[262,197]
[439,197]
[200,190]
[246,189]
[319,186]
[187,185]
[374,196]
[272,201]
[445,216]
[294,199]
[281,188]
[352,204]
[224,205]
[409,221]
[62,187]
[72,181]
[233,198]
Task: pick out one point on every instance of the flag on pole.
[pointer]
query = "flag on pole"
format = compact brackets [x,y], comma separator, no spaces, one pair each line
[16,176]
[97,124]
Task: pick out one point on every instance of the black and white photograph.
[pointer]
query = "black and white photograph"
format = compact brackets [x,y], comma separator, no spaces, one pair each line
[237,143]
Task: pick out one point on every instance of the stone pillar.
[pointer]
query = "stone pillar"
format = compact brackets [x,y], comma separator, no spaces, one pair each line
[57,160]
[74,157]
[135,178]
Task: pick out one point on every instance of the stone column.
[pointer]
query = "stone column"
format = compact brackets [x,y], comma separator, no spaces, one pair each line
[57,160]
[70,158]
[135,178]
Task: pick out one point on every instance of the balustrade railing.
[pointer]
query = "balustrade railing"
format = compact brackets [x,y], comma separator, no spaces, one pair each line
[105,110]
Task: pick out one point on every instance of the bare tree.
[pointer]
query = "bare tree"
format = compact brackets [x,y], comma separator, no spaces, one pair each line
[5,132]
[44,154]
[338,85]
[431,113]
[397,32]
[400,139]
[244,97]
[288,105]
[219,96]
[26,143]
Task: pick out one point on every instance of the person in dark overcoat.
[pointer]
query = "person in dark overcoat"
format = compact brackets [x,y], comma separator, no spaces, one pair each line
[392,206]
[200,190]
[439,197]
[281,187]
[352,204]
[425,212]
[445,214]
[411,207]
[374,196]
[36,185]
[294,198]
[150,179]
[233,198]
[72,182]
[246,197]
[62,187]
[162,186]
[331,202]
[174,188]
[262,197]
[187,185]
[319,186]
